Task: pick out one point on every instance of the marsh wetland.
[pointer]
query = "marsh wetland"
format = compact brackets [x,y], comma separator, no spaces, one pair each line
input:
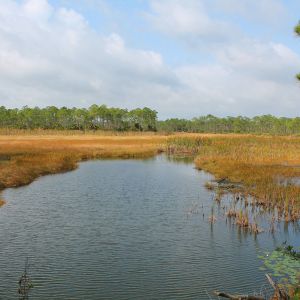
[205,215]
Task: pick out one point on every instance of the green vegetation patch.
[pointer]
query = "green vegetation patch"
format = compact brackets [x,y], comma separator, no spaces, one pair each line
[283,264]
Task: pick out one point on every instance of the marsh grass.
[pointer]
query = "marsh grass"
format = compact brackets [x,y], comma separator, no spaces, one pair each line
[259,172]
[2,202]
[262,167]
[73,132]
[185,144]
[30,156]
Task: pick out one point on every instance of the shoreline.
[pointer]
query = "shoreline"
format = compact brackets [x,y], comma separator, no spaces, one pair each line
[250,160]
[23,159]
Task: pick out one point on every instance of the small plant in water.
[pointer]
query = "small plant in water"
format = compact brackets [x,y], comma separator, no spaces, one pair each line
[2,202]
[212,219]
[289,250]
[25,284]
[284,263]
[210,186]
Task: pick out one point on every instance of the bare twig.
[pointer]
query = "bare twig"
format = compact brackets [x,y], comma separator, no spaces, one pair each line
[279,292]
[238,297]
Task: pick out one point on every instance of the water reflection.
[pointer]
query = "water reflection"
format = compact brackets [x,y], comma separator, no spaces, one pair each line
[188,159]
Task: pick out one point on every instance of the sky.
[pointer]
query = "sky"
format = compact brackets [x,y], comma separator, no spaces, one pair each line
[183,58]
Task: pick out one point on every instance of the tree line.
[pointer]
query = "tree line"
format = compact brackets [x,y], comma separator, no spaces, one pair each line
[92,118]
[140,119]
[297,31]
[211,124]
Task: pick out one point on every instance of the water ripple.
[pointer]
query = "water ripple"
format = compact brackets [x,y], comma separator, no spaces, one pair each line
[118,229]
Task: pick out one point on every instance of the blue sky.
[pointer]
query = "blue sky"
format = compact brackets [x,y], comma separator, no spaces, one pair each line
[127,18]
[184,58]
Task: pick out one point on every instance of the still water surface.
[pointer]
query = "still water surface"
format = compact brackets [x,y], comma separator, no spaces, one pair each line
[121,229]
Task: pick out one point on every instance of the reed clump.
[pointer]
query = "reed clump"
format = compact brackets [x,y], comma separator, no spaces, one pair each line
[210,186]
[185,144]
[241,219]
[212,218]
[2,202]
[267,168]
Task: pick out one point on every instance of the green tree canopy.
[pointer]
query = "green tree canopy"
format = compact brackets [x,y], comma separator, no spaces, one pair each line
[101,117]
[95,117]
[297,31]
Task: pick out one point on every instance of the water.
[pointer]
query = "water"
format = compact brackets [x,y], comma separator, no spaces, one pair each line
[123,229]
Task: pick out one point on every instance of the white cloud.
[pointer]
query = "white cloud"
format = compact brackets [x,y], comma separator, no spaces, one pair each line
[247,75]
[247,78]
[39,9]
[52,56]
[114,44]
[266,11]
[262,60]
[189,20]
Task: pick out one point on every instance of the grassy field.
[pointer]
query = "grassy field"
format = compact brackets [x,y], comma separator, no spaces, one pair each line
[23,158]
[261,171]
[264,167]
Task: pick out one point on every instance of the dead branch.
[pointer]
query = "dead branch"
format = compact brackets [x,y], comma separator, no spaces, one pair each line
[279,292]
[238,297]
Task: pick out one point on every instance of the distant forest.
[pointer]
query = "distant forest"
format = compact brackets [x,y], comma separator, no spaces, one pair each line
[140,119]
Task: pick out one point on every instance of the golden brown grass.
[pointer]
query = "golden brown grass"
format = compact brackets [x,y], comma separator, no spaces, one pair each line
[56,132]
[264,165]
[24,158]
[2,202]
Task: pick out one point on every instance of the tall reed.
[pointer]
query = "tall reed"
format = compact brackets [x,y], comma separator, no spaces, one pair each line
[264,167]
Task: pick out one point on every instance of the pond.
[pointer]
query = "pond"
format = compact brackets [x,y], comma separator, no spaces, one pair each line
[126,229]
